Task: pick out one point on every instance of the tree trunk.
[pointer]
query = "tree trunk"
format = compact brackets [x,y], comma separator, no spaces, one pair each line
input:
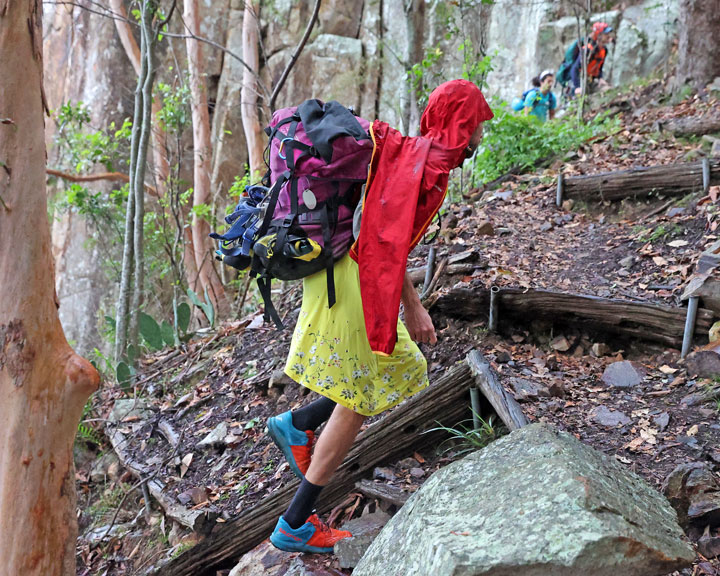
[132,50]
[415,25]
[159,149]
[698,63]
[43,383]
[203,247]
[249,95]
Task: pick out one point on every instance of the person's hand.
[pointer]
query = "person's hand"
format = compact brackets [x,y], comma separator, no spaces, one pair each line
[603,83]
[578,91]
[419,324]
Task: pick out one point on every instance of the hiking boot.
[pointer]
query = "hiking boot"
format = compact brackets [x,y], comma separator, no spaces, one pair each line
[313,536]
[295,444]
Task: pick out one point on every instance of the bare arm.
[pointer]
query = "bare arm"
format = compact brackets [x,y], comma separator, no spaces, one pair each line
[417,319]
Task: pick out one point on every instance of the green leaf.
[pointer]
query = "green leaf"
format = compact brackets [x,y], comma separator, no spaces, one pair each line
[183,316]
[150,331]
[209,309]
[194,298]
[168,334]
[131,354]
[122,373]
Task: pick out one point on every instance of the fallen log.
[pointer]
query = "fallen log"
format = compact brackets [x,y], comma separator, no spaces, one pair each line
[397,434]
[652,322]
[693,125]
[196,520]
[670,180]
[505,405]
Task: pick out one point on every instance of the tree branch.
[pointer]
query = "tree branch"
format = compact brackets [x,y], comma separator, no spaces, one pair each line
[112,176]
[295,55]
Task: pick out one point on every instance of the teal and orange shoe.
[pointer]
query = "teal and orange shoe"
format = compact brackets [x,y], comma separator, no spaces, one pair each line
[313,536]
[295,444]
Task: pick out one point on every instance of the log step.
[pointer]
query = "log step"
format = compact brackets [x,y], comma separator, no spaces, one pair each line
[653,322]
[669,180]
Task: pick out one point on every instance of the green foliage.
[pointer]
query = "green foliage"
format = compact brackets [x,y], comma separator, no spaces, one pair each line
[517,141]
[203,212]
[174,116]
[85,432]
[183,316]
[150,331]
[466,439]
[207,307]
[110,500]
[83,147]
[424,75]
[660,232]
[168,333]
[123,373]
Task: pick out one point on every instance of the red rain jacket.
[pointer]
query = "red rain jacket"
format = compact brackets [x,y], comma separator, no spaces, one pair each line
[406,187]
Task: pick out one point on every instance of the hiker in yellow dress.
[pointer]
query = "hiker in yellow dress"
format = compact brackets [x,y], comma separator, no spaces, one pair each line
[357,354]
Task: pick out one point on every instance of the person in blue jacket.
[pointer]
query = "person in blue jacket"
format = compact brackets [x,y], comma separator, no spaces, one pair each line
[540,101]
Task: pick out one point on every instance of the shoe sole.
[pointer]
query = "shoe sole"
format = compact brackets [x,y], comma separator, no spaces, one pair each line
[279,439]
[293,547]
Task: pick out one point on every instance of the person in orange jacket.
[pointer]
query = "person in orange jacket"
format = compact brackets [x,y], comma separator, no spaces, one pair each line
[595,51]
[358,355]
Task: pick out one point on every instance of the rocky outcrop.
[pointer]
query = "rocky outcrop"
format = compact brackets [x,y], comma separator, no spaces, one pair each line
[536,502]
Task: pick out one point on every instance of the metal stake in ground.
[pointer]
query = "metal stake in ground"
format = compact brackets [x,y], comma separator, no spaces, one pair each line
[494,308]
[559,193]
[689,325]
[706,175]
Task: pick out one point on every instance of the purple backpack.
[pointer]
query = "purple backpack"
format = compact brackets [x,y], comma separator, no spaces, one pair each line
[319,155]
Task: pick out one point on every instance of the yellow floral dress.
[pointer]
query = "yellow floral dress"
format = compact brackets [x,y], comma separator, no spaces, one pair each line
[331,355]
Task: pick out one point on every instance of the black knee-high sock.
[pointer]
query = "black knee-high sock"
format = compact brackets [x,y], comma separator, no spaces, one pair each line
[302,504]
[310,417]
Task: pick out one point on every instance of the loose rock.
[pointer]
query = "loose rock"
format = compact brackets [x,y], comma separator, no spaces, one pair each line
[485,228]
[693,486]
[703,364]
[662,421]
[624,374]
[609,418]
[384,474]
[599,349]
[560,344]
[525,390]
[364,530]
[216,437]
[709,546]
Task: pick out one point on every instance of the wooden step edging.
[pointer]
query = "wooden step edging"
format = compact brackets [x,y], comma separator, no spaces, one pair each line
[653,322]
[667,180]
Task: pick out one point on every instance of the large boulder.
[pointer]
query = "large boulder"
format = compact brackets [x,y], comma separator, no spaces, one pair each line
[538,503]
[644,40]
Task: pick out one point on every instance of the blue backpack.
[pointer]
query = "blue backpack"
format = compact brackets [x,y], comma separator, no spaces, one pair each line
[519,103]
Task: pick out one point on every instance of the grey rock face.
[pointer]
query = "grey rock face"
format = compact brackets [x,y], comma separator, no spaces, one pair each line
[364,530]
[623,374]
[644,39]
[537,503]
